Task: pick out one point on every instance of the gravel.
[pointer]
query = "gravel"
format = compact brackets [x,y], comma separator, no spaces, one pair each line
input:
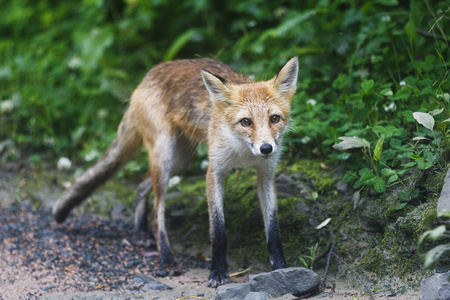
[87,253]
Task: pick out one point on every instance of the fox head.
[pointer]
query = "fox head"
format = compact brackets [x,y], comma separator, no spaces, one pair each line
[257,113]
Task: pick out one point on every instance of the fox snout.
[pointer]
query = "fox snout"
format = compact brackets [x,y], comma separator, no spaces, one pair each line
[263,149]
[266,149]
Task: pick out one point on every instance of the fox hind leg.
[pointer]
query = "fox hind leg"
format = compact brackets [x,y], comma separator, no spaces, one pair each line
[144,234]
[168,155]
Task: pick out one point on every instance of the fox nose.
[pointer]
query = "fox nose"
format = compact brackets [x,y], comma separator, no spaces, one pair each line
[265,149]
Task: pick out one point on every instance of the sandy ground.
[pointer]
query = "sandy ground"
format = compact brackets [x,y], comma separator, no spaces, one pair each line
[24,279]
[191,285]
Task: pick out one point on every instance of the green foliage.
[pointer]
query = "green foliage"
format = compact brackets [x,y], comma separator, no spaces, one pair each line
[67,70]
[311,257]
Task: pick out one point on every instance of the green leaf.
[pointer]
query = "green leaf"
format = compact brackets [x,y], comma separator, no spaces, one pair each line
[387,172]
[351,143]
[426,161]
[400,205]
[303,262]
[402,94]
[415,193]
[367,85]
[403,195]
[386,92]
[393,178]
[402,172]
[409,165]
[379,185]
[433,234]
[349,177]
[378,149]
[364,171]
[344,156]
[367,179]
[387,2]
[378,129]
[436,112]
[434,254]
[178,43]
[442,125]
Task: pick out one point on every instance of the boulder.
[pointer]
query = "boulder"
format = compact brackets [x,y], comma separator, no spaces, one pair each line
[436,287]
[296,281]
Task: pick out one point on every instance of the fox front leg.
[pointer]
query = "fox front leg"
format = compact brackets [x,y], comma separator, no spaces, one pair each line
[219,266]
[268,200]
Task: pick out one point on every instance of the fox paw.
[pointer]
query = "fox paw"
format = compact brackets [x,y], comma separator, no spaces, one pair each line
[217,278]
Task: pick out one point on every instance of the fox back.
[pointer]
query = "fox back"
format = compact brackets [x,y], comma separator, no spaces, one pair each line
[174,91]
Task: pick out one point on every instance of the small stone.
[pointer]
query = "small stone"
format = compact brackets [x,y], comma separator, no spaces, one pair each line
[233,291]
[286,186]
[48,288]
[296,281]
[146,283]
[301,207]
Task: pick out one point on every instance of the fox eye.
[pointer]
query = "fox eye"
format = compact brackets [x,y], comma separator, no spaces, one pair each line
[246,122]
[275,119]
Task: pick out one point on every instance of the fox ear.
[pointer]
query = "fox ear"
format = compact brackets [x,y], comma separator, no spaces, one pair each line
[217,87]
[285,81]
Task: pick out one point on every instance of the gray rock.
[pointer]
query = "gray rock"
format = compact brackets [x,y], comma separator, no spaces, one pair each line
[342,186]
[296,281]
[120,213]
[286,186]
[145,283]
[301,207]
[233,291]
[436,287]
[257,296]
[444,198]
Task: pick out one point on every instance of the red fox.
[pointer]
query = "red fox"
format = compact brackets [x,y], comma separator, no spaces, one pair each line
[184,102]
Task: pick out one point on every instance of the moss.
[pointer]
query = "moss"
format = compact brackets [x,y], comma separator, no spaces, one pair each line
[322,179]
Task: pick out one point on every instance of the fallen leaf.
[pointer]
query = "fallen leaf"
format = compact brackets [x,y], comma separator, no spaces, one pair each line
[324,166]
[102,286]
[241,272]
[200,256]
[323,224]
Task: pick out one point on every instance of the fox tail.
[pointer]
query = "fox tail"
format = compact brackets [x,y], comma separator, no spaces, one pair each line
[126,143]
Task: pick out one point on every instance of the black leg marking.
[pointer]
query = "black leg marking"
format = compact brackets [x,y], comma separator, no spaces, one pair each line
[144,235]
[219,266]
[166,255]
[274,246]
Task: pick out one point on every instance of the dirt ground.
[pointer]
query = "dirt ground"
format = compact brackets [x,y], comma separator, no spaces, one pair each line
[90,257]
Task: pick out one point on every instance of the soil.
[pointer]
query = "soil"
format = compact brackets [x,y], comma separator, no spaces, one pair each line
[94,257]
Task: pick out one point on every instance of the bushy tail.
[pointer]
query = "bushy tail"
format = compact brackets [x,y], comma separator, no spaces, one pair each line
[120,151]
